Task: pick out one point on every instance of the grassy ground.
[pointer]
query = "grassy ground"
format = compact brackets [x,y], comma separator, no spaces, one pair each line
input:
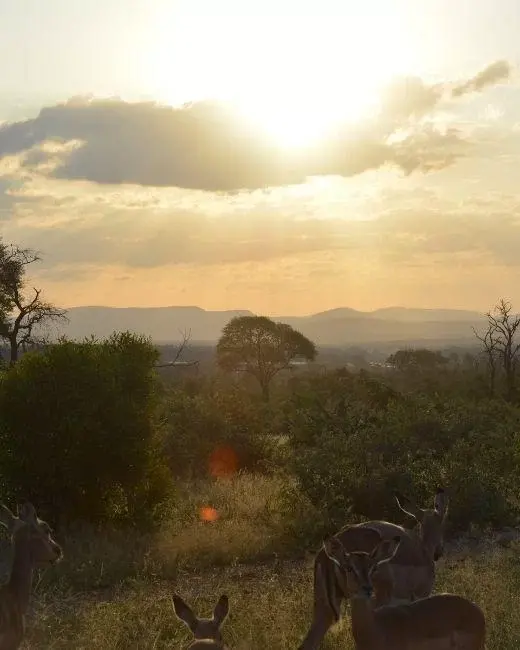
[113,590]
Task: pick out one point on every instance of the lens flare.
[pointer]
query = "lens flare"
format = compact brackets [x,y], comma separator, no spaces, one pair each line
[207,513]
[223,462]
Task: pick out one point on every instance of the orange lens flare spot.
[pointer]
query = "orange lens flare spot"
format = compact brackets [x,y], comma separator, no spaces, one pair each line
[207,513]
[223,462]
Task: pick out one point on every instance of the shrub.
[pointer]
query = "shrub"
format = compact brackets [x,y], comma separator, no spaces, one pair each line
[348,462]
[214,432]
[77,430]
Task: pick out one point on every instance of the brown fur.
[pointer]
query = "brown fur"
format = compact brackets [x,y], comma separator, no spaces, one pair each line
[206,631]
[407,576]
[440,622]
[33,546]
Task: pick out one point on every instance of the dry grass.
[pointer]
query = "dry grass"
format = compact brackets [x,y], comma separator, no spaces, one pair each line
[248,526]
[113,591]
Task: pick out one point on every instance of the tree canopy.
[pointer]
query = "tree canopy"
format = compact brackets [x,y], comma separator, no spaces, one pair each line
[420,359]
[261,347]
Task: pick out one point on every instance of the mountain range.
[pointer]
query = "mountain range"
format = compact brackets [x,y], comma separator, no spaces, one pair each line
[339,327]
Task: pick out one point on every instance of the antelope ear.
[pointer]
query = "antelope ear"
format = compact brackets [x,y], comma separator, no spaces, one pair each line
[184,612]
[7,519]
[394,544]
[408,506]
[385,550]
[441,502]
[221,610]
[380,552]
[335,550]
[27,512]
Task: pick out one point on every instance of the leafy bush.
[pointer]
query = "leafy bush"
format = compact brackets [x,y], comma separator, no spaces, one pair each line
[349,462]
[77,430]
[214,431]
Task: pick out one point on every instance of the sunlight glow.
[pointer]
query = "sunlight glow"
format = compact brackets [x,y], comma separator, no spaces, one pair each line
[292,75]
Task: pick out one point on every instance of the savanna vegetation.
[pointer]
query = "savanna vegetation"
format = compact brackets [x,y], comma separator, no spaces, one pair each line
[227,481]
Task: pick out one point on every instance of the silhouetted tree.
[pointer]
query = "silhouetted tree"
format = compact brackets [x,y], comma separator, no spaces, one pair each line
[501,346]
[490,353]
[21,311]
[259,346]
[417,360]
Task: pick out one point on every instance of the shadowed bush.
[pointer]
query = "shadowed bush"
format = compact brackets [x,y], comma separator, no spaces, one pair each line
[349,453]
[78,433]
[215,432]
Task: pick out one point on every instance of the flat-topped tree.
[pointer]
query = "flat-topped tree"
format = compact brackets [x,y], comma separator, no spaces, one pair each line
[22,311]
[259,346]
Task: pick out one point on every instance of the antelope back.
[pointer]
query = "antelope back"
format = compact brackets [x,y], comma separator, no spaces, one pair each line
[433,623]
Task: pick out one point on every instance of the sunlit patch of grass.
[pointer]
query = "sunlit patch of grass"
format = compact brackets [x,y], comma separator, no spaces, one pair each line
[113,590]
[247,524]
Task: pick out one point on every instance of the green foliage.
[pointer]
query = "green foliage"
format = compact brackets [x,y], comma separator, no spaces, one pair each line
[259,346]
[350,455]
[77,431]
[206,423]
[417,360]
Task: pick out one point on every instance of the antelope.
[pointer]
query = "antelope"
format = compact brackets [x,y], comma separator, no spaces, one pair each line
[409,574]
[33,546]
[206,631]
[440,622]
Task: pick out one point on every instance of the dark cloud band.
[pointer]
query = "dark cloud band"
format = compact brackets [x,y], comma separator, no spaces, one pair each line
[205,146]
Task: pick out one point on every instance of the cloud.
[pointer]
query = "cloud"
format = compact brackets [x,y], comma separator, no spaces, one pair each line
[409,96]
[291,249]
[126,229]
[205,146]
[89,232]
[493,74]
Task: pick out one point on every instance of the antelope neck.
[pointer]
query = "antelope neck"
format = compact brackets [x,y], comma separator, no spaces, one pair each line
[362,621]
[20,581]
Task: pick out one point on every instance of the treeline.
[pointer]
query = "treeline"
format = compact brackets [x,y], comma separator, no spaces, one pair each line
[89,432]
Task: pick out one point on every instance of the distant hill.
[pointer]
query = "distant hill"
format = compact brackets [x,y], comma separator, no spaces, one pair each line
[422,315]
[342,326]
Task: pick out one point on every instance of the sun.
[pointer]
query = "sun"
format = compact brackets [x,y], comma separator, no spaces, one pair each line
[293,75]
[295,118]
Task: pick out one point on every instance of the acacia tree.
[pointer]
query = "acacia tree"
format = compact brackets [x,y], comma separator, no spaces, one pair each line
[23,312]
[417,360]
[259,346]
[501,345]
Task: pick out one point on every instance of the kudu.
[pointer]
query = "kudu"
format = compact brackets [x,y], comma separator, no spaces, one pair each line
[412,567]
[33,547]
[206,631]
[434,623]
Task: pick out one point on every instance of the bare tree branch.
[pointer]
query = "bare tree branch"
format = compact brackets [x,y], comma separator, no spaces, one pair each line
[183,346]
[500,346]
[21,314]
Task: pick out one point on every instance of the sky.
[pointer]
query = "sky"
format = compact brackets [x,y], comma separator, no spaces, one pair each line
[284,157]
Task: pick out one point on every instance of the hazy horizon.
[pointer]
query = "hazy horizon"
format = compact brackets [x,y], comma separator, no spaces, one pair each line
[157,153]
[282,314]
